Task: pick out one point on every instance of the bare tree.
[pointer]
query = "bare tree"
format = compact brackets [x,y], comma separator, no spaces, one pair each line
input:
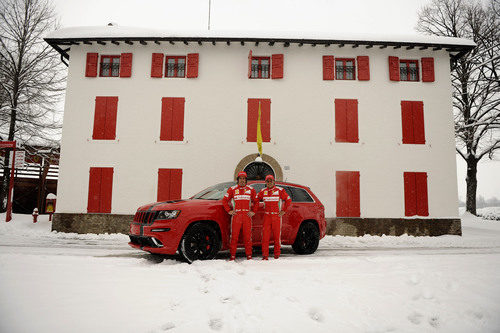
[476,87]
[31,76]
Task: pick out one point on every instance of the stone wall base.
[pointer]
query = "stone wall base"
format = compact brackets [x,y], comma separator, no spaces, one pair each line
[344,226]
[355,226]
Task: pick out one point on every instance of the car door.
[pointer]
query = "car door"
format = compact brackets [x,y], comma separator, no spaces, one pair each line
[288,220]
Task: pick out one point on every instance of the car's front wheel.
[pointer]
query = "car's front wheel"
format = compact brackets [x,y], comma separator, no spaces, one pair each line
[307,239]
[200,242]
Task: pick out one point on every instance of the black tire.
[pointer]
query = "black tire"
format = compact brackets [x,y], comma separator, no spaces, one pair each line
[200,242]
[307,239]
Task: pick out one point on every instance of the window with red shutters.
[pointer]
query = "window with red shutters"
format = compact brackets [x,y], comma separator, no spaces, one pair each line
[415,191]
[328,67]
[106,108]
[408,70]
[265,119]
[363,68]
[157,65]
[412,117]
[346,120]
[91,66]
[172,119]
[100,190]
[192,65]
[427,69]
[110,66]
[345,69]
[260,67]
[169,184]
[126,65]
[175,66]
[347,183]
[277,66]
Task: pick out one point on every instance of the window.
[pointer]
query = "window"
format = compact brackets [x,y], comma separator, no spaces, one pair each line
[175,66]
[169,184]
[347,193]
[260,67]
[110,66]
[345,69]
[412,117]
[172,119]
[100,190]
[258,186]
[105,118]
[408,70]
[346,120]
[416,202]
[265,119]
[300,195]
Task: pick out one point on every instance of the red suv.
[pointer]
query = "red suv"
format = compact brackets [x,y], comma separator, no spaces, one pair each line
[199,227]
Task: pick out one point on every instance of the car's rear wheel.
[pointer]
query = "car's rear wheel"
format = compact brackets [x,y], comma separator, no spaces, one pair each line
[200,242]
[307,239]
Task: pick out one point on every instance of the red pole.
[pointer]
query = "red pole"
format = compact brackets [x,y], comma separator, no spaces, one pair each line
[8,216]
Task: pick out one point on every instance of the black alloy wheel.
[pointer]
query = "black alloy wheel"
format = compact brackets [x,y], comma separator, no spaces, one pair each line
[307,239]
[200,242]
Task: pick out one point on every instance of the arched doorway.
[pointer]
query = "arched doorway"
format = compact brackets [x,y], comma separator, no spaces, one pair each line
[258,170]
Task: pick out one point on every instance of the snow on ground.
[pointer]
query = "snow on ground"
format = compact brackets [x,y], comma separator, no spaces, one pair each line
[57,282]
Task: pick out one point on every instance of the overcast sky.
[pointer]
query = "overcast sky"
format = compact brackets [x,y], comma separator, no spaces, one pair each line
[359,16]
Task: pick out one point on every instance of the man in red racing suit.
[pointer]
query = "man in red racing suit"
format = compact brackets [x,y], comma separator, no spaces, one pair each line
[243,200]
[273,197]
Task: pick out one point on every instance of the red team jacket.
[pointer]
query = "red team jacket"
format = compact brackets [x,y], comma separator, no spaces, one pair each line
[271,198]
[243,198]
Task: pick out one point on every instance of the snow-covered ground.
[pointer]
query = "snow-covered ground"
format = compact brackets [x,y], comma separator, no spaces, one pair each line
[56,282]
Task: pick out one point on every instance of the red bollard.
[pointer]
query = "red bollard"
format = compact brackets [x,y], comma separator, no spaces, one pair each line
[35,215]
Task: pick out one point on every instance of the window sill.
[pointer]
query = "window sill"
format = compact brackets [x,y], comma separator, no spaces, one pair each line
[169,142]
[243,141]
[333,142]
[428,145]
[115,141]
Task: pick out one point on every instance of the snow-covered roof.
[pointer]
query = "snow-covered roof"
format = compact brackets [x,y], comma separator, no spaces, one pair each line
[62,38]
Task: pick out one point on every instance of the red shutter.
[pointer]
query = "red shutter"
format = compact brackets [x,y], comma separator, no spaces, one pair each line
[111,110]
[192,65]
[126,65]
[175,184]
[328,68]
[93,204]
[252,115]
[157,65]
[178,119]
[265,120]
[277,66]
[418,122]
[421,189]
[169,184]
[340,120]
[91,68]
[394,68]
[407,122]
[428,69]
[106,189]
[363,68]
[100,118]
[250,64]
[352,120]
[167,110]
[342,182]
[410,194]
[163,185]
[354,209]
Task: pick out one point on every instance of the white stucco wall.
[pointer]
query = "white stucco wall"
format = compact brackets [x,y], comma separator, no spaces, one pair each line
[302,126]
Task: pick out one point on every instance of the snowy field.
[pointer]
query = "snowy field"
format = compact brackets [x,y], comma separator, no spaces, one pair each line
[56,282]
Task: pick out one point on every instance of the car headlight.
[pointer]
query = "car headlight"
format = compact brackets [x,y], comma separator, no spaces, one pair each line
[167,214]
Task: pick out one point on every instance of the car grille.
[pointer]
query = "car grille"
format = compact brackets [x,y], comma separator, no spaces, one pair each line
[144,241]
[145,217]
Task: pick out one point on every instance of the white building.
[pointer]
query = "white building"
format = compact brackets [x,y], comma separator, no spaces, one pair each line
[366,122]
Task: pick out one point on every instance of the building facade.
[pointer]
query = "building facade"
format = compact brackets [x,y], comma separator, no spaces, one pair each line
[366,123]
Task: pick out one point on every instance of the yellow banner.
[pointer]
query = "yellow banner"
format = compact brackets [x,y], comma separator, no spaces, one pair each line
[259,133]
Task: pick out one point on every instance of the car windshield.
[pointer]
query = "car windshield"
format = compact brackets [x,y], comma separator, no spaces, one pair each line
[215,192]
